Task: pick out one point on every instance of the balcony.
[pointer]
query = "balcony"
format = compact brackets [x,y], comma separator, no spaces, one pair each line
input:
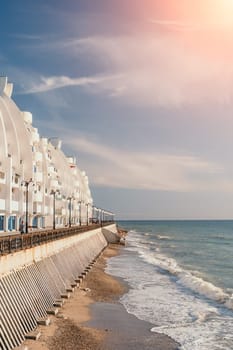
[37,208]
[2,204]
[2,177]
[58,211]
[54,183]
[51,169]
[15,205]
[38,197]
[38,177]
[38,156]
[35,137]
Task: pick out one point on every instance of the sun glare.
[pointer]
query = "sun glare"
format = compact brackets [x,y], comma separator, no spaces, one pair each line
[222,11]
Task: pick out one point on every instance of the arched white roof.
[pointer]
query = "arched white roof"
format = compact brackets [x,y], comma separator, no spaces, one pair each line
[32,157]
[15,142]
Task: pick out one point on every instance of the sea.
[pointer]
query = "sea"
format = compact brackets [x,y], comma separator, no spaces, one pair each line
[180,277]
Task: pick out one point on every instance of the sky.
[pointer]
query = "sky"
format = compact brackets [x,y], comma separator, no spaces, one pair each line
[141,92]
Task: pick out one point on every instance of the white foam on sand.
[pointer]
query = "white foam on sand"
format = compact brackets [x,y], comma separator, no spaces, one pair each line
[177,302]
[188,279]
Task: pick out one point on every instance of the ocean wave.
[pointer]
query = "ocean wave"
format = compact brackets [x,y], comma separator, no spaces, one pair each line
[189,279]
[147,234]
[161,237]
[178,300]
[222,236]
[202,287]
[197,316]
[192,280]
[132,231]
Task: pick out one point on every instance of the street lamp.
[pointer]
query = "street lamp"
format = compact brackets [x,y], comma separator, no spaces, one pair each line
[26,184]
[80,212]
[54,207]
[93,214]
[101,217]
[70,199]
[87,212]
[97,215]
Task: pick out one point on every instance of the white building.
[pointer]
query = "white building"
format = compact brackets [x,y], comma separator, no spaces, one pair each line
[52,178]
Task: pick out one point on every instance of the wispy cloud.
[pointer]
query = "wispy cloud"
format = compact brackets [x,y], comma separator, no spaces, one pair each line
[176,25]
[159,70]
[148,69]
[57,82]
[113,167]
[30,37]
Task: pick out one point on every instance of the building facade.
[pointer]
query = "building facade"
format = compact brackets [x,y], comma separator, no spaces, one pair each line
[36,178]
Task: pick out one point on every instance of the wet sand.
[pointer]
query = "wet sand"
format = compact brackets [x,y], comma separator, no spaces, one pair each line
[93,319]
[125,331]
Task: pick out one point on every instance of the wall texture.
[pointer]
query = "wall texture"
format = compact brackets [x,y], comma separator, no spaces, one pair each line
[33,279]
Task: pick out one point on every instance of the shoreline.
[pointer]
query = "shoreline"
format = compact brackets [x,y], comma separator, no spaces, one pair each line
[94,319]
[124,331]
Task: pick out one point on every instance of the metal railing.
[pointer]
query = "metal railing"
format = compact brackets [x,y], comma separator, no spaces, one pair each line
[13,243]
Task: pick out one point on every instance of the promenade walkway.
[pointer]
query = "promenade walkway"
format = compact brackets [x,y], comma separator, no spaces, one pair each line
[15,241]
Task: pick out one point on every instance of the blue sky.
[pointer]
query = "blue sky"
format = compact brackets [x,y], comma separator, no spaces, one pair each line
[139,91]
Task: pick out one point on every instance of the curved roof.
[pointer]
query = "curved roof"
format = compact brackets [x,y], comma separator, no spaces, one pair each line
[14,137]
[20,142]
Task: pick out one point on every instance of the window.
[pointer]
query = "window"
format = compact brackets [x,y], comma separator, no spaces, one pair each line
[11,223]
[35,221]
[2,222]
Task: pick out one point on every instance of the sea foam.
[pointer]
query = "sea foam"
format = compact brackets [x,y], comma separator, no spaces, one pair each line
[188,279]
[153,297]
[180,301]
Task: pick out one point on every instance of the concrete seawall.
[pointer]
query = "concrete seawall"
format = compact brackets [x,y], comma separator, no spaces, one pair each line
[33,280]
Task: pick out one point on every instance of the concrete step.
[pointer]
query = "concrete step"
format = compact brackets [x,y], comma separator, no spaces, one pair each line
[81,278]
[74,284]
[58,303]
[52,311]
[34,335]
[65,295]
[44,321]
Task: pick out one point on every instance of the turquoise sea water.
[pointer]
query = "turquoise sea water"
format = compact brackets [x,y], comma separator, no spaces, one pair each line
[181,279]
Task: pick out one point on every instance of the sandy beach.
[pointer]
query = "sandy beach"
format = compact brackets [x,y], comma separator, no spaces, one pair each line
[93,319]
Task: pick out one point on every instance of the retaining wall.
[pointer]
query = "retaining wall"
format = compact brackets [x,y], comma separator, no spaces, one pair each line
[31,281]
[111,234]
